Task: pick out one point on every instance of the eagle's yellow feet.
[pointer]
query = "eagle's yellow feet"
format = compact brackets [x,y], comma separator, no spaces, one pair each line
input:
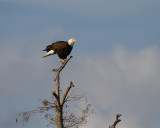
[63,61]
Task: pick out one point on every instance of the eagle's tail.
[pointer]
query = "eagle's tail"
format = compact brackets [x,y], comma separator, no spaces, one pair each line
[51,52]
[44,56]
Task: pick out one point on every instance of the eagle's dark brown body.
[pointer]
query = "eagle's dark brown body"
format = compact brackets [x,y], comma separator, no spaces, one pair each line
[61,48]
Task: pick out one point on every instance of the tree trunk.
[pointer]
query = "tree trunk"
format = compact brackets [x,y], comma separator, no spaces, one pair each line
[59,117]
[59,105]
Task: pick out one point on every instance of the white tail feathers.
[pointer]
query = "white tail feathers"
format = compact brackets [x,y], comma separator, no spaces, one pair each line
[44,56]
[51,52]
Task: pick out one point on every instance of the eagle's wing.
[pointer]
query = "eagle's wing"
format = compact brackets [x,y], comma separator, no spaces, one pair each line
[58,45]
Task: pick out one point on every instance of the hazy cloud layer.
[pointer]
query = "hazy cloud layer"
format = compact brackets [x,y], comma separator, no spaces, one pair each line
[119,82]
[123,82]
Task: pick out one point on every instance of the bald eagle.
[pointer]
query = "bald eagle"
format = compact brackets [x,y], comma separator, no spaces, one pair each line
[61,48]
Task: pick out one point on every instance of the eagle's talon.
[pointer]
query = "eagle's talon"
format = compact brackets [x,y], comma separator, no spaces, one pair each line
[63,61]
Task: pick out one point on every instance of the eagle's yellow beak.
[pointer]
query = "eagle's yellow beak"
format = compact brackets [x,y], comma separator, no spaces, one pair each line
[74,40]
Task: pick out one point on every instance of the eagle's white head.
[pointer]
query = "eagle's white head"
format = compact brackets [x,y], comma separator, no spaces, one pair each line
[71,42]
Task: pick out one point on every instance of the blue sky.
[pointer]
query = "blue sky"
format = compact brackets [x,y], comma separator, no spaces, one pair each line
[117,49]
[134,24]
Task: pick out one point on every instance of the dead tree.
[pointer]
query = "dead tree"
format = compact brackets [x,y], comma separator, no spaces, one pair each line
[62,117]
[59,103]
[116,121]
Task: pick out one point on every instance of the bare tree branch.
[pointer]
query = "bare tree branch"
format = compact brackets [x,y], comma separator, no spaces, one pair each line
[55,95]
[65,95]
[63,65]
[57,79]
[116,121]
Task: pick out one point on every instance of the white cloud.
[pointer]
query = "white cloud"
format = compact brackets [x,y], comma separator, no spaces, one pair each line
[123,82]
